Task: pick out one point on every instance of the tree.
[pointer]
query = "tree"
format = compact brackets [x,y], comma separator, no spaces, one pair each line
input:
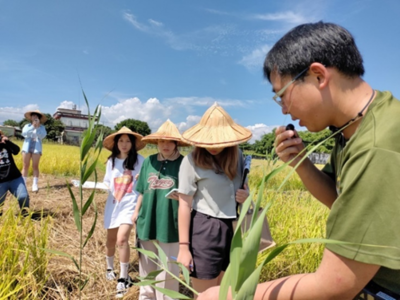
[134,125]
[98,128]
[53,127]
[10,122]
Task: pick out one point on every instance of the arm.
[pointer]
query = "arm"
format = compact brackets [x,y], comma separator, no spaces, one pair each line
[107,176]
[27,131]
[41,132]
[336,278]
[319,184]
[184,211]
[14,149]
[137,209]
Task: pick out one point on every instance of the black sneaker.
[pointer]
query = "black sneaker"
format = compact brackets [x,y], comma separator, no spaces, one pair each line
[123,285]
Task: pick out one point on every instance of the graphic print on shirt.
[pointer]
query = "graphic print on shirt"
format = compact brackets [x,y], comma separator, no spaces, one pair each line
[123,185]
[159,183]
[4,164]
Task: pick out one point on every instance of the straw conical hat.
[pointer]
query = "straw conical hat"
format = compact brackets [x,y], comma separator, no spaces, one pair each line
[28,116]
[215,130]
[108,142]
[167,131]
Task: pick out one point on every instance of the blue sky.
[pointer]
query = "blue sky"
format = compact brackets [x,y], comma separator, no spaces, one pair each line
[154,60]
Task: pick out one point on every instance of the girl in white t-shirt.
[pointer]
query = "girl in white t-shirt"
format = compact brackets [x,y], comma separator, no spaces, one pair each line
[122,167]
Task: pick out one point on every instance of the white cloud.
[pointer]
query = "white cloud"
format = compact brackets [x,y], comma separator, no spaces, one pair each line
[15,113]
[155,23]
[288,17]
[259,130]
[152,111]
[190,121]
[204,101]
[256,58]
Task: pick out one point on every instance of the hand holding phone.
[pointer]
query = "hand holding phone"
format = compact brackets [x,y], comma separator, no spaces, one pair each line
[173,194]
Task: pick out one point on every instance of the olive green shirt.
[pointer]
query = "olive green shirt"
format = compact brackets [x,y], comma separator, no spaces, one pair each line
[367,174]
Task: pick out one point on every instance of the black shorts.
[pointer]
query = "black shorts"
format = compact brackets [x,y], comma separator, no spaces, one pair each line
[210,243]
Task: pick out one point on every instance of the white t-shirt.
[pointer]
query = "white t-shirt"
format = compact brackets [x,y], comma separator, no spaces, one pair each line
[122,197]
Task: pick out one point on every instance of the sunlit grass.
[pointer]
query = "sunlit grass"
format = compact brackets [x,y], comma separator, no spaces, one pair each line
[23,260]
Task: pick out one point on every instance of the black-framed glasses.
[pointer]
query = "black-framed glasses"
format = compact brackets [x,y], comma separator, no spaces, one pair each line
[277,96]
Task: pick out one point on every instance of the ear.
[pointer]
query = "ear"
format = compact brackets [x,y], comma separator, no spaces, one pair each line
[321,74]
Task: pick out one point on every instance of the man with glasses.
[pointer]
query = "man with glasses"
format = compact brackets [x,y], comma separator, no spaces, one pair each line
[316,71]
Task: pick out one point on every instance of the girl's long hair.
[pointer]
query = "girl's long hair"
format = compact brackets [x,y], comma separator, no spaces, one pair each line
[131,160]
[225,162]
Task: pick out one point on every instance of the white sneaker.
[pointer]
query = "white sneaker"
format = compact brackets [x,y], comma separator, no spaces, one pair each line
[35,187]
[110,274]
[122,286]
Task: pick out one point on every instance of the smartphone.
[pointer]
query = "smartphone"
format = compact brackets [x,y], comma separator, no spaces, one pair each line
[173,194]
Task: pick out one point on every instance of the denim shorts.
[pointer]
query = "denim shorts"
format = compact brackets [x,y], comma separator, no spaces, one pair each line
[210,243]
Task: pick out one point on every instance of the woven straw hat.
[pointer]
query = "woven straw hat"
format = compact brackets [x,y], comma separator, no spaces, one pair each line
[167,131]
[215,130]
[108,142]
[28,116]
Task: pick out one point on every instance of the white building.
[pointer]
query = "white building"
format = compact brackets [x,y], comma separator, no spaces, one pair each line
[75,124]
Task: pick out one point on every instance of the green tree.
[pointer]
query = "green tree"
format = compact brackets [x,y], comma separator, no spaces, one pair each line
[316,137]
[100,130]
[246,146]
[53,127]
[134,125]
[10,122]
[266,144]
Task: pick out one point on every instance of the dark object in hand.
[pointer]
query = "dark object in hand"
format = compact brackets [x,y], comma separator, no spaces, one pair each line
[290,127]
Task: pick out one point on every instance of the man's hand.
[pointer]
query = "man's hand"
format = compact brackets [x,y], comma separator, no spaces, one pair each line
[288,145]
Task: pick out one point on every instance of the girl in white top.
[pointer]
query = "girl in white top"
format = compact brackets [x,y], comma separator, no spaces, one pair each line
[122,167]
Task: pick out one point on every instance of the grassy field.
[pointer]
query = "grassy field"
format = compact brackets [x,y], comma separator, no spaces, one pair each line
[293,215]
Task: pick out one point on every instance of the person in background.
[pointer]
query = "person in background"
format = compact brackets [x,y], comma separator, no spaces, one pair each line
[210,183]
[10,177]
[123,165]
[316,72]
[32,146]
[156,216]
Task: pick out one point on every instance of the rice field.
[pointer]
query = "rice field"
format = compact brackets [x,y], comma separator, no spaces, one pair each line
[293,215]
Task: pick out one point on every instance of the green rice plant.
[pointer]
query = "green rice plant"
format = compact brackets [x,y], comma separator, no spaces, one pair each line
[160,260]
[88,160]
[23,260]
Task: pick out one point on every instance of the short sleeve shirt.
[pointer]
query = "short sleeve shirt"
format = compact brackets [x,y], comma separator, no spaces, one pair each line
[158,215]
[214,194]
[367,176]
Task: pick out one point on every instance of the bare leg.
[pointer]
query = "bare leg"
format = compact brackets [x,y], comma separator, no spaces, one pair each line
[111,241]
[26,161]
[35,164]
[200,285]
[123,242]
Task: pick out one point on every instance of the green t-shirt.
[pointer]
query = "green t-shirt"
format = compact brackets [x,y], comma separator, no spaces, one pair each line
[158,216]
[367,174]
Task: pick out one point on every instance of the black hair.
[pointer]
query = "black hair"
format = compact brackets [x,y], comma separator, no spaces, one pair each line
[36,114]
[131,160]
[326,43]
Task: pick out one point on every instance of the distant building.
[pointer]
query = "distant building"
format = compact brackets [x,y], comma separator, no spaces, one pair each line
[75,124]
[11,131]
